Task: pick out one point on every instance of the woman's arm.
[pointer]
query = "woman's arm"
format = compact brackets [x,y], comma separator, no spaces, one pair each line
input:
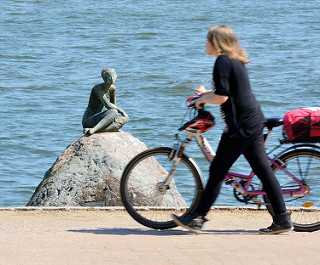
[211,99]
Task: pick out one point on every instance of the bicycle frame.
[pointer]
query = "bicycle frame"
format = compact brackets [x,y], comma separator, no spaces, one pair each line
[173,190]
[231,177]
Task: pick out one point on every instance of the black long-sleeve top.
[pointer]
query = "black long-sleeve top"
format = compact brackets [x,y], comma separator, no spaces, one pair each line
[241,112]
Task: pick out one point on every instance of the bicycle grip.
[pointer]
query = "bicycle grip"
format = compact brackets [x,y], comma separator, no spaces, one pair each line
[190,103]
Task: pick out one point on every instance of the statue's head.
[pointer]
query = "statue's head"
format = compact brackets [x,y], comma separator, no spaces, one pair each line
[109,75]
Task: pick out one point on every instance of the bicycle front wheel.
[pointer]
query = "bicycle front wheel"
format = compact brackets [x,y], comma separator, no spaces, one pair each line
[304,164]
[145,197]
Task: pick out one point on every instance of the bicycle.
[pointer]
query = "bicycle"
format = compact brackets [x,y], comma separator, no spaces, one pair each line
[165,180]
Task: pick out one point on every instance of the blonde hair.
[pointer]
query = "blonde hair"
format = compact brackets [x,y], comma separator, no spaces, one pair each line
[225,41]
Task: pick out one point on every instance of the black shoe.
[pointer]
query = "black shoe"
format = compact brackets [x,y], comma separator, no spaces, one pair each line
[281,223]
[193,222]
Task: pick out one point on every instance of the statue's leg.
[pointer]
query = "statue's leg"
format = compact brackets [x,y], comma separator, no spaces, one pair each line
[116,125]
[103,120]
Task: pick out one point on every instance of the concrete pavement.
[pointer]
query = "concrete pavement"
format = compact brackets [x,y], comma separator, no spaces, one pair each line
[111,236]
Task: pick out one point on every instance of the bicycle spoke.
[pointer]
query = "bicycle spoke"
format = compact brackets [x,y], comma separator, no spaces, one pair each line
[148,199]
[304,164]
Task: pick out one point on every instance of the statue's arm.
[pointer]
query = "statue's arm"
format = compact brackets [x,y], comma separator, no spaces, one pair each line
[107,103]
[123,113]
[113,94]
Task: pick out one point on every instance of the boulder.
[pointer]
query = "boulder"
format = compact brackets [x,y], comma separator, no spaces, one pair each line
[88,172]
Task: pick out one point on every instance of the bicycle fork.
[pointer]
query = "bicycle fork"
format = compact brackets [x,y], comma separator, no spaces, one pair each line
[175,157]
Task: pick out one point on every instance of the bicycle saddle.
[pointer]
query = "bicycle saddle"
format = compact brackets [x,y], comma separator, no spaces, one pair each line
[273,122]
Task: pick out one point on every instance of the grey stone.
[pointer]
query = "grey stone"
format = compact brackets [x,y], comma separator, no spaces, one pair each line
[88,172]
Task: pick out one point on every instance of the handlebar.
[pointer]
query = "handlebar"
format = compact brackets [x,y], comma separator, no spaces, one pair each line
[190,103]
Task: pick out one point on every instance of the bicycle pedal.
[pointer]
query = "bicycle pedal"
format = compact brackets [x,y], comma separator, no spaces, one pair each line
[229,181]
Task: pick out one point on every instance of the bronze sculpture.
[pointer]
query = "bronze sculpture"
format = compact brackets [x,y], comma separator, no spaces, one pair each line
[104,95]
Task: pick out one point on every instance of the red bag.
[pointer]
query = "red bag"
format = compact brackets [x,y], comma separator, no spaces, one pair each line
[302,125]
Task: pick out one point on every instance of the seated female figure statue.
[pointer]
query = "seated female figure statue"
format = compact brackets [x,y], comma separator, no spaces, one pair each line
[104,95]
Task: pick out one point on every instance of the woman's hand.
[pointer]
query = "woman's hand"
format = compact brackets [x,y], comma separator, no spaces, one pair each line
[201,89]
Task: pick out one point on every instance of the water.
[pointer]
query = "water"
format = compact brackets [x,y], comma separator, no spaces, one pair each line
[52,53]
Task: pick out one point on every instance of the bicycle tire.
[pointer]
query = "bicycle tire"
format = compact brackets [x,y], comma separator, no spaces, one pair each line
[140,194]
[305,210]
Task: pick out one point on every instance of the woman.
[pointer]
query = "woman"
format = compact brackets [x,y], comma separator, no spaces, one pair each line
[243,134]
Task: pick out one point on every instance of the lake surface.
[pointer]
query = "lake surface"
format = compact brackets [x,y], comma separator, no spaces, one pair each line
[52,53]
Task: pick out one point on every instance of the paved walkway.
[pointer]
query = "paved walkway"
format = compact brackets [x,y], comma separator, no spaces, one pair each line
[96,236]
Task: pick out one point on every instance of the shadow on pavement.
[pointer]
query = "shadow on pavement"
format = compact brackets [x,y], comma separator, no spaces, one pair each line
[150,232]
[233,232]
[131,231]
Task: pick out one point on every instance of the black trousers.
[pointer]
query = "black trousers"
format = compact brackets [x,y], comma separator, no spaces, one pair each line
[229,150]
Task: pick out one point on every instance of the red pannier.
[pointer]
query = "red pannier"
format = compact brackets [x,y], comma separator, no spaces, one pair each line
[302,125]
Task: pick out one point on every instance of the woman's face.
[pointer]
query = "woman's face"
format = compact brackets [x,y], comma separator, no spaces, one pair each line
[210,49]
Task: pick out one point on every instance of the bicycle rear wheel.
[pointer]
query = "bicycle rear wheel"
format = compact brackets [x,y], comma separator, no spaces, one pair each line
[144,196]
[305,165]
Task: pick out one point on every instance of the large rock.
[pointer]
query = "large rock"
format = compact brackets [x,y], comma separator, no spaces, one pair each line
[88,172]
